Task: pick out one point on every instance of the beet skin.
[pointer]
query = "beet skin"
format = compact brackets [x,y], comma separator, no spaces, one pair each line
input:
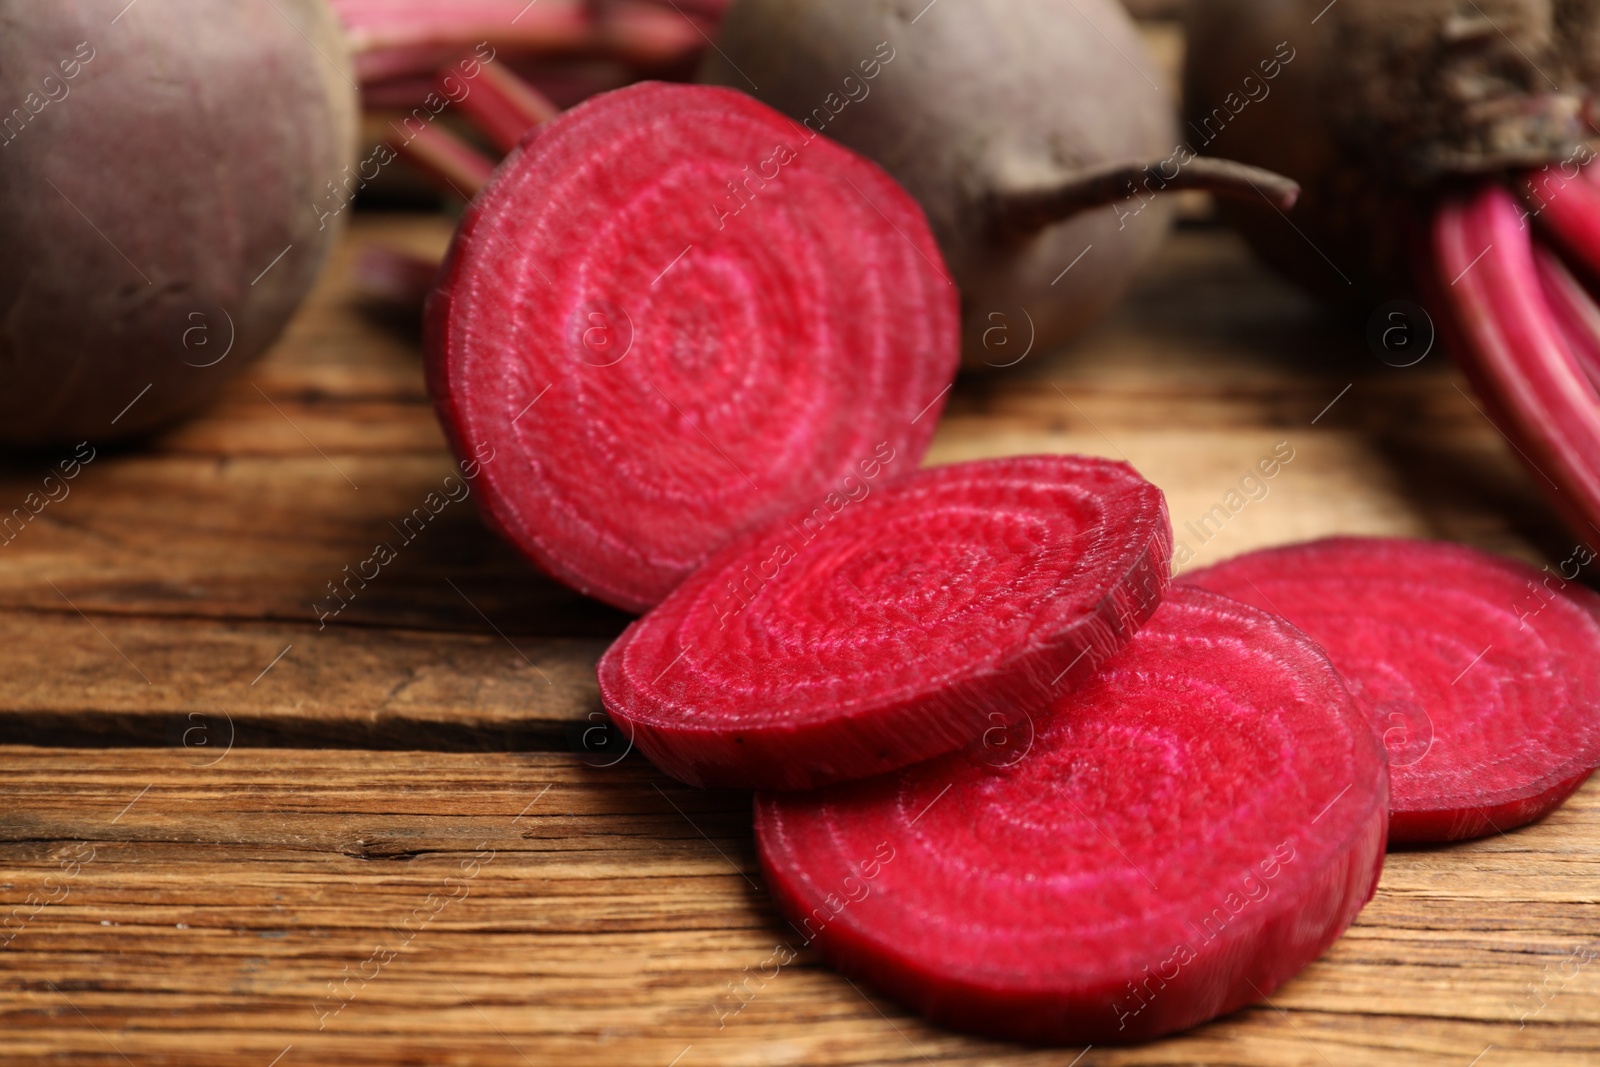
[165,173]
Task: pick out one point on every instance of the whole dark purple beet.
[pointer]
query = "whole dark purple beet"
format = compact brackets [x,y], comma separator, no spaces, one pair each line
[1032,132]
[164,200]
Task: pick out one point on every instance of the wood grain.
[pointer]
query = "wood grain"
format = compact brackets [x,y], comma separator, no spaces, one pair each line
[168,603]
[220,914]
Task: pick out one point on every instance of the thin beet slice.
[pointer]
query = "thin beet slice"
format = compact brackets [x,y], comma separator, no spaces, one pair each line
[873,630]
[1186,832]
[666,326]
[1482,674]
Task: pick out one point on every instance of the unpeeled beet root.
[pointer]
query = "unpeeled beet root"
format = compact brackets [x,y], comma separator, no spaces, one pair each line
[1185,833]
[1034,132]
[168,194]
[654,374]
[905,622]
[1446,151]
[1481,674]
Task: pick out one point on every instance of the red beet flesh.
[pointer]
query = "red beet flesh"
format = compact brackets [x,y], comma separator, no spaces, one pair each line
[1481,673]
[841,643]
[711,361]
[1186,832]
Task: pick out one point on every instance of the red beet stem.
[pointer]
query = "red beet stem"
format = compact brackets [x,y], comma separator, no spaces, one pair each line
[1568,209]
[650,35]
[504,106]
[393,38]
[1573,311]
[447,159]
[395,276]
[1512,349]
[1032,209]
[377,26]
[562,83]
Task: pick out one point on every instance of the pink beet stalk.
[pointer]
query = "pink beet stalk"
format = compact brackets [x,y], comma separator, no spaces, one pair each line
[1569,212]
[395,277]
[394,38]
[447,159]
[375,26]
[1575,314]
[1512,346]
[505,107]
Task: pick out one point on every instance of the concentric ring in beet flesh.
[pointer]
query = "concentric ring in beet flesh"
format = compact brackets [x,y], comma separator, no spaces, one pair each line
[1190,829]
[1481,674]
[877,629]
[670,317]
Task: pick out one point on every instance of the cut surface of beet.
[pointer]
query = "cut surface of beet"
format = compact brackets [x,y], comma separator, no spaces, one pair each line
[893,624]
[1187,831]
[672,316]
[1481,674]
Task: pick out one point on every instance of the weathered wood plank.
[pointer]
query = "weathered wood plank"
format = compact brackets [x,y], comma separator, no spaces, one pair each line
[220,914]
[255,683]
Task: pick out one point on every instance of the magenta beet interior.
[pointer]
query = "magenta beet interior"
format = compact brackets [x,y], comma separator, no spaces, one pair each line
[838,644]
[1481,674]
[1187,831]
[674,315]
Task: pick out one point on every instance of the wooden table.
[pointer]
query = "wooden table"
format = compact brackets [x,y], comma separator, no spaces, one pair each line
[233,837]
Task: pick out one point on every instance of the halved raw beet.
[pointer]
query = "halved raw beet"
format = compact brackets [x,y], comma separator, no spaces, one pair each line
[669,319]
[1481,673]
[1187,831]
[875,629]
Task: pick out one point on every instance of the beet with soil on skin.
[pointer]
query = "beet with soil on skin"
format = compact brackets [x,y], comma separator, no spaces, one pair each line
[1009,120]
[642,380]
[160,184]
[1443,152]
[1184,834]
[944,609]
[1482,675]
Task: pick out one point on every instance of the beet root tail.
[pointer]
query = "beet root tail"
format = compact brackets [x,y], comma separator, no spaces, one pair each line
[1029,209]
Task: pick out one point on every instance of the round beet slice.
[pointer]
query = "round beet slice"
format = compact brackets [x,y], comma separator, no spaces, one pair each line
[873,630]
[1187,831]
[670,318]
[1481,674]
